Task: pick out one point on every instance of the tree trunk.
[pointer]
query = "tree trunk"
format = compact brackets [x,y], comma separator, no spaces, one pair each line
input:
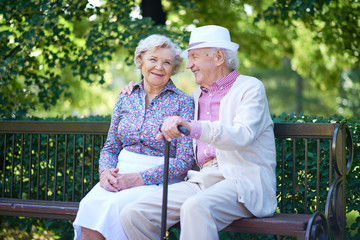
[154,10]
[299,94]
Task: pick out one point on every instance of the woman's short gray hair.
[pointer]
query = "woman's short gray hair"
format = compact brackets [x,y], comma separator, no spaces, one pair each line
[158,41]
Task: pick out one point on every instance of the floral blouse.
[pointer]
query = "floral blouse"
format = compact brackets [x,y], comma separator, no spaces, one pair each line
[134,128]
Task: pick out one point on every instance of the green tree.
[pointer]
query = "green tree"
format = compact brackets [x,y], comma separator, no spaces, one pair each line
[41,41]
[326,41]
[49,48]
[349,99]
[320,39]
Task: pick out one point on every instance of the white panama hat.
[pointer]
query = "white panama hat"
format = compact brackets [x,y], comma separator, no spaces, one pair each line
[210,36]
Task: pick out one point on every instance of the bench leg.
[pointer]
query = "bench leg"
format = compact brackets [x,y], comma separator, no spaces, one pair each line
[318,227]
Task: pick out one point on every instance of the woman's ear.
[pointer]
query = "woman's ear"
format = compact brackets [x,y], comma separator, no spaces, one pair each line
[139,61]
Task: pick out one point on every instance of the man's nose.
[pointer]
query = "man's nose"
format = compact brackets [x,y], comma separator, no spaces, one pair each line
[189,64]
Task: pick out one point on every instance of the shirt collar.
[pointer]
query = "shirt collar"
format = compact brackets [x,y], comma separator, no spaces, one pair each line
[169,86]
[222,83]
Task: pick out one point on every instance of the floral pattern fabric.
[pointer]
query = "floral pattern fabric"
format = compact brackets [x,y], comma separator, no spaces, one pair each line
[134,127]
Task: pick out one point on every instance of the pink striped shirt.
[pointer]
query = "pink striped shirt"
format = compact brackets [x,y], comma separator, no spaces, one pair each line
[209,106]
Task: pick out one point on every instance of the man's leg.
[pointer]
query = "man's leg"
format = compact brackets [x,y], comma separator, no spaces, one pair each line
[211,210]
[142,219]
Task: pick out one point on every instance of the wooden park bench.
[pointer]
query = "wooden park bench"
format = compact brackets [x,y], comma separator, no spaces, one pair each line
[47,167]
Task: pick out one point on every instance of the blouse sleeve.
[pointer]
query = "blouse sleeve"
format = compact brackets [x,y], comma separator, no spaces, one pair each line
[113,145]
[184,159]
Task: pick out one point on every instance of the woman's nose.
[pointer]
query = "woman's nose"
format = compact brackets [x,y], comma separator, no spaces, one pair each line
[158,65]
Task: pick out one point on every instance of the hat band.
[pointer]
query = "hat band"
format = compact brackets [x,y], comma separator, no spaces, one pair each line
[195,44]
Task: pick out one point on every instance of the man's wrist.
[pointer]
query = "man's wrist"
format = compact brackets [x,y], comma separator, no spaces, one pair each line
[195,131]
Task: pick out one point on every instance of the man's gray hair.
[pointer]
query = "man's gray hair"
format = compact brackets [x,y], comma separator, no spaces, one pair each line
[231,58]
[158,41]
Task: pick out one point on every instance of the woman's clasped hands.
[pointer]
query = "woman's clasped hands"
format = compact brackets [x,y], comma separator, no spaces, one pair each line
[113,181]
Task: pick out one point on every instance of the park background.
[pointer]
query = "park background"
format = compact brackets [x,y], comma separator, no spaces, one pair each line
[68,60]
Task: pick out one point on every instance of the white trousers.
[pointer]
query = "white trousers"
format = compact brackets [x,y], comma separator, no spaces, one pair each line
[100,209]
[205,204]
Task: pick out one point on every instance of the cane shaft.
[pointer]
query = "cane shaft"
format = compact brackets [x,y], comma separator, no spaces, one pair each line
[165,190]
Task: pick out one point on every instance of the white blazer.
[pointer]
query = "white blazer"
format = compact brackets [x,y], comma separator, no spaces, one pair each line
[245,144]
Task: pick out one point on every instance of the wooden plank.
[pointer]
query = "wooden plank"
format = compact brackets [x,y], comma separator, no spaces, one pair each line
[298,130]
[55,127]
[280,224]
[38,208]
[305,130]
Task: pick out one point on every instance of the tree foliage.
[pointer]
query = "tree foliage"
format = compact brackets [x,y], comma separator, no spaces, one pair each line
[349,99]
[320,38]
[43,39]
[326,36]
[258,43]
[336,23]
[47,47]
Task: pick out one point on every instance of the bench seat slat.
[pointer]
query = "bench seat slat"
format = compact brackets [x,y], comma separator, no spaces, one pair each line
[283,224]
[38,208]
[292,223]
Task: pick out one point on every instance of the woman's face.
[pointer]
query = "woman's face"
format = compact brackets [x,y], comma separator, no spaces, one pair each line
[157,66]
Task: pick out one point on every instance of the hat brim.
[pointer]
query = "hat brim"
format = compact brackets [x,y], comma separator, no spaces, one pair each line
[227,45]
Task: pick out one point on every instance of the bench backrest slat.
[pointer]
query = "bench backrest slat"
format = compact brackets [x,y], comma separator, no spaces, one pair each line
[53,127]
[304,130]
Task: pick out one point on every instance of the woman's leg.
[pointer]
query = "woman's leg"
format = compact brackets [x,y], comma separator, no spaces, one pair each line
[100,211]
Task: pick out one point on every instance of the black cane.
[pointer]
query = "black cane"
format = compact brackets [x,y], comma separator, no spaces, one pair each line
[184,131]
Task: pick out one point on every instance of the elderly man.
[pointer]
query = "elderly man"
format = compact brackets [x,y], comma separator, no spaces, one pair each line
[233,143]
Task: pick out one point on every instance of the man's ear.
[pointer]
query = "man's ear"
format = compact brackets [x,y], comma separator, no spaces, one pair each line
[219,57]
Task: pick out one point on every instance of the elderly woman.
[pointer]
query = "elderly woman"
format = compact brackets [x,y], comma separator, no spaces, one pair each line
[131,162]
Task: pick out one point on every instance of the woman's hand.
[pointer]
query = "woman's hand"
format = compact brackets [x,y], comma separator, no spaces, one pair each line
[128,180]
[108,179]
[112,181]
[128,88]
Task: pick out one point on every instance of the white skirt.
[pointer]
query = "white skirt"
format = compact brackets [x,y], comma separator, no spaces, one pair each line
[100,209]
